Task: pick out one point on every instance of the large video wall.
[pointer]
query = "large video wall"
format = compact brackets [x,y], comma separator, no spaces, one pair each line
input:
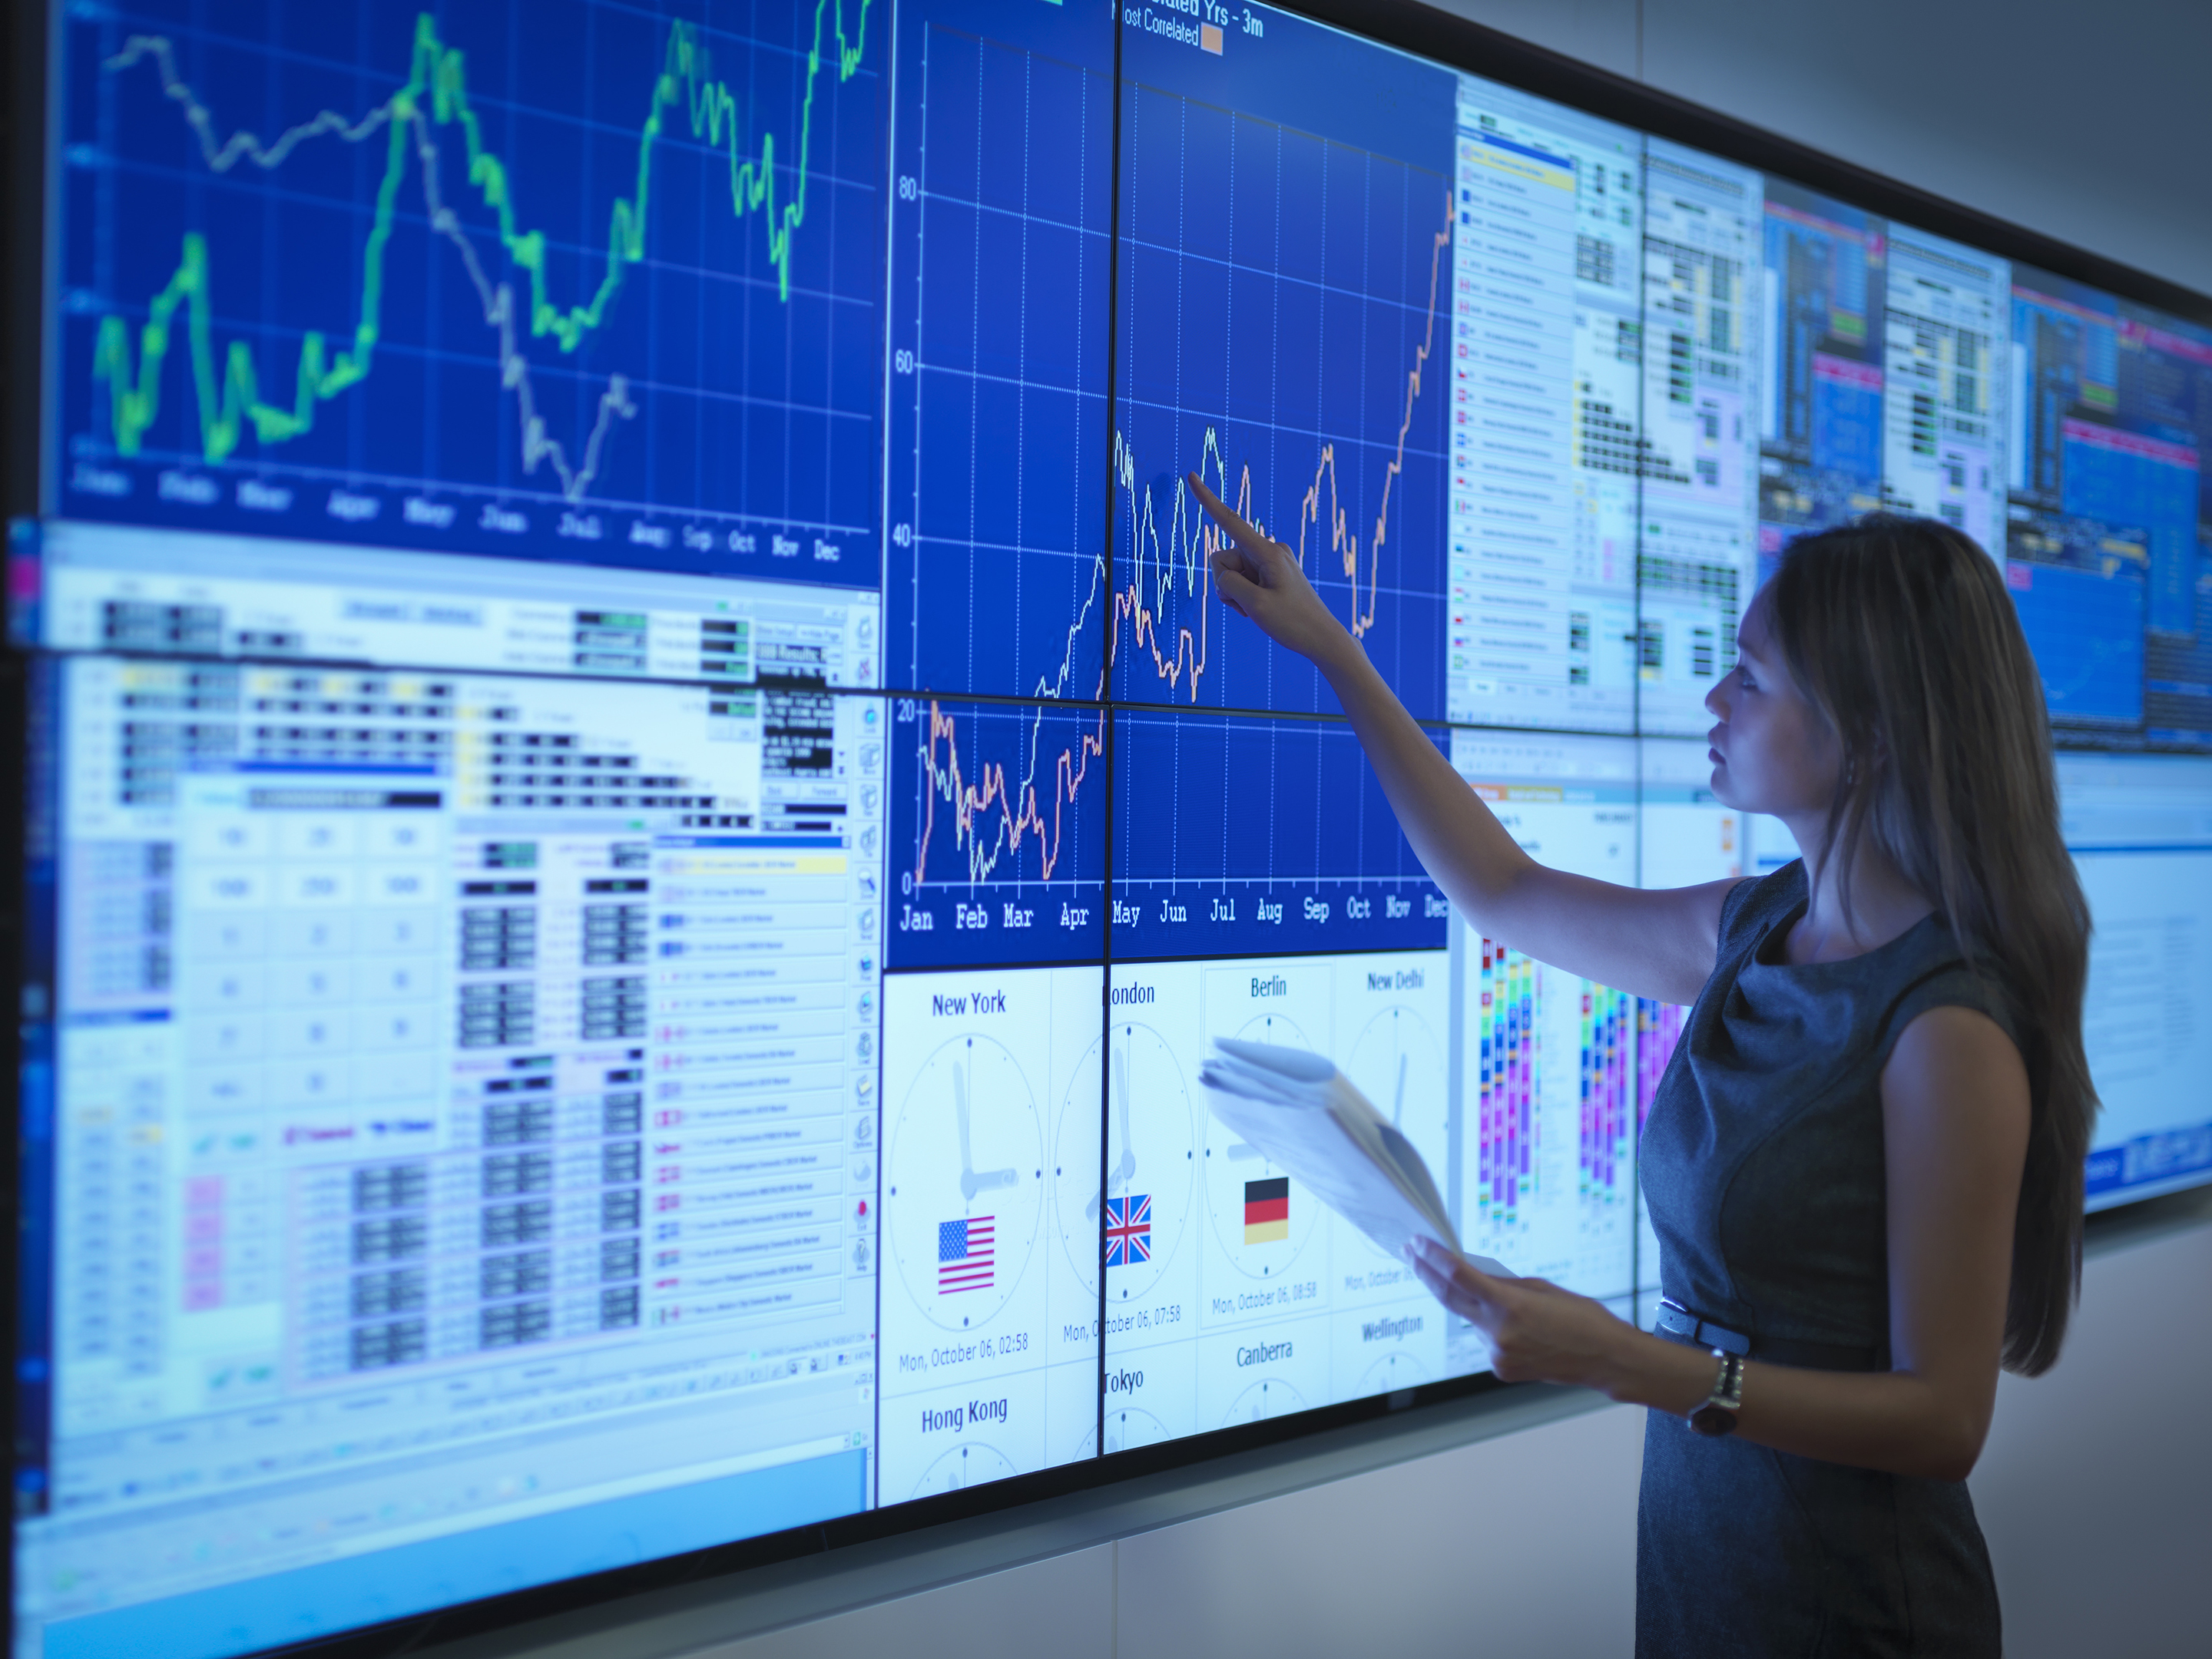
[641,811]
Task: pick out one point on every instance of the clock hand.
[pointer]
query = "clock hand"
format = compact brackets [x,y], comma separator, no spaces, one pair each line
[971,1182]
[1125,1165]
[1398,1106]
[960,1117]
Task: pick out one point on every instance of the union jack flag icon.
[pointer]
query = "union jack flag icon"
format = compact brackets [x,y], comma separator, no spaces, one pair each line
[1128,1230]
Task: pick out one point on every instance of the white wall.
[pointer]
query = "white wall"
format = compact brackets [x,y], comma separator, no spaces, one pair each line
[2095,1491]
[2087,122]
[2092,124]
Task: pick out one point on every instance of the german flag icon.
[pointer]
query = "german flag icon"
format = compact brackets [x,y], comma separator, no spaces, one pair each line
[1266,1210]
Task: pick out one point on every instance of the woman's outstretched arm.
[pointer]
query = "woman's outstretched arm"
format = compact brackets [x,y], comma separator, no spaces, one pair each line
[1656,944]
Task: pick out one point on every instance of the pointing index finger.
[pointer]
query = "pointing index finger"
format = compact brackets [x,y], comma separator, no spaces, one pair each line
[1248,540]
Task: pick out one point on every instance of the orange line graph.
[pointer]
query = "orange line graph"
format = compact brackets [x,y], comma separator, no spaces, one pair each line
[992,815]
[1018,812]
[1184,663]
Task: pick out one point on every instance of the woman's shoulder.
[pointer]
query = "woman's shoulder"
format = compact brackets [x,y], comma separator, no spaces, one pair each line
[1757,902]
[1941,973]
[1925,967]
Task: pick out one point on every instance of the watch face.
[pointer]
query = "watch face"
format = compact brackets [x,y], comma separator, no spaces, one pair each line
[1713,1420]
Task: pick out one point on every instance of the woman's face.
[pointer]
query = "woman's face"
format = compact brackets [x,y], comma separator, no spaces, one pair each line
[1771,752]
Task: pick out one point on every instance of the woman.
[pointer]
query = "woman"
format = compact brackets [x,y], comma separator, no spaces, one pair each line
[1864,1162]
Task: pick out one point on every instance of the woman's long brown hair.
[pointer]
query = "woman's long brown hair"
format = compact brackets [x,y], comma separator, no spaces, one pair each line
[1901,633]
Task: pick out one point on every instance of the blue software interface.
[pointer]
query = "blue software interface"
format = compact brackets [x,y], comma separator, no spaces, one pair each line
[642,810]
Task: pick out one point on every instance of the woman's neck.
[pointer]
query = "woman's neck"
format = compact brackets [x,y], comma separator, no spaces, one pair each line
[1883,904]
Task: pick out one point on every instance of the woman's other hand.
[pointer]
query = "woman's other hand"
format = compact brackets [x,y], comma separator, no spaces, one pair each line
[1260,578]
[1537,1332]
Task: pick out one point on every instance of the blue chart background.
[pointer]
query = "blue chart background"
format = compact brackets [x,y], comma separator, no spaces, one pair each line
[1242,233]
[1000,301]
[755,416]
[2086,629]
[1222,815]
[951,890]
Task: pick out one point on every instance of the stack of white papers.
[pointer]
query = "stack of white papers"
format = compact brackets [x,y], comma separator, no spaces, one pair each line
[1305,1116]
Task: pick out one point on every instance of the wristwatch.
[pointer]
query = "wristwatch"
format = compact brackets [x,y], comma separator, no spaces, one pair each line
[1717,1416]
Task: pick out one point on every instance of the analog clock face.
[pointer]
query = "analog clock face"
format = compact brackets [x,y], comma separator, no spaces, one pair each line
[964,1182]
[1144,1207]
[1397,1063]
[1130,1427]
[1269,1397]
[968,1465]
[1391,1372]
[1127,1428]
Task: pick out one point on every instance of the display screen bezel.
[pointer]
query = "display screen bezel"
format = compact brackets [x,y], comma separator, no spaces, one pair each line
[25,361]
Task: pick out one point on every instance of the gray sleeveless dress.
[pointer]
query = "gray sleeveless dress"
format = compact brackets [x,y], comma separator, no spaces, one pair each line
[1762,1165]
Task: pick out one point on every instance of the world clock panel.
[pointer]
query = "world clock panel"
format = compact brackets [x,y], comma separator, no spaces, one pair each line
[954,1434]
[1149,1395]
[1393,1034]
[1268,1367]
[1384,1347]
[1201,1227]
[1215,1259]
[992,1085]
[1271,1368]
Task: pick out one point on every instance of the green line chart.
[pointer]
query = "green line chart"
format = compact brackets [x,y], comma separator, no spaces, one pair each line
[732,145]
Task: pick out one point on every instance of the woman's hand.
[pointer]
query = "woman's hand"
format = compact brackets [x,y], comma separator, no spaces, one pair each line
[1260,578]
[1537,1332]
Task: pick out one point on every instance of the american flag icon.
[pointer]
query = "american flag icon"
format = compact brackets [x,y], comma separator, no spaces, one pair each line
[963,1255]
[1128,1230]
